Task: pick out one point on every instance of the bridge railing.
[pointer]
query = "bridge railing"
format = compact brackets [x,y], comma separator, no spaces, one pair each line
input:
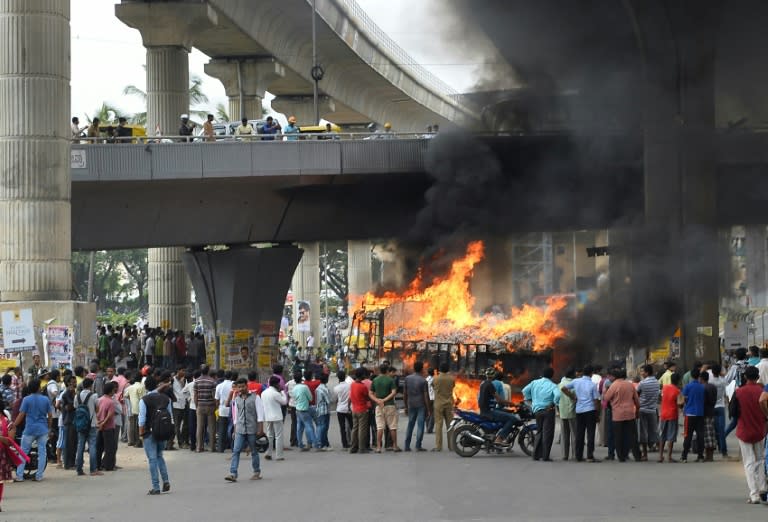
[201,160]
[324,136]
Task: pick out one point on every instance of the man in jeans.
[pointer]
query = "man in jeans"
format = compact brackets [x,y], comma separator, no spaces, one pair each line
[584,392]
[153,448]
[416,398]
[302,397]
[36,410]
[89,398]
[248,427]
[205,403]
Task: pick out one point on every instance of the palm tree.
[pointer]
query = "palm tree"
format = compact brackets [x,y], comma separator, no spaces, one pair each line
[196,97]
[221,112]
[106,114]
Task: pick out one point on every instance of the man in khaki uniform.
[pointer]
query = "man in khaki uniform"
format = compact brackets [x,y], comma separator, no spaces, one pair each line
[443,385]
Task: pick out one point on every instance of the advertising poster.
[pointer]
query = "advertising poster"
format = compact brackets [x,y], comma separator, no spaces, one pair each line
[237,350]
[59,343]
[304,316]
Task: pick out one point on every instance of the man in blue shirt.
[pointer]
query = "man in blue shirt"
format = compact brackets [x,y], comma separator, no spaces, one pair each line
[584,392]
[694,416]
[488,399]
[270,128]
[148,406]
[543,394]
[36,410]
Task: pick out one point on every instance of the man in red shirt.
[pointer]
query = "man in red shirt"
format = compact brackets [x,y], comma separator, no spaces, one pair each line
[360,402]
[312,384]
[670,411]
[749,408]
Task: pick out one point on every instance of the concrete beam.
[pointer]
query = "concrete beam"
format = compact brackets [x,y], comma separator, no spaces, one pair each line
[167,23]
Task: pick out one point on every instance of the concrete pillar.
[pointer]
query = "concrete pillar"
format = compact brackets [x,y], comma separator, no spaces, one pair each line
[359,268]
[241,287]
[247,76]
[169,289]
[167,88]
[757,276]
[679,159]
[167,31]
[492,281]
[306,291]
[34,156]
[303,107]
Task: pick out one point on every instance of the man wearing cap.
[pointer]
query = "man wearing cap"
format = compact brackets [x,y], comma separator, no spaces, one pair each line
[185,129]
[388,134]
[291,130]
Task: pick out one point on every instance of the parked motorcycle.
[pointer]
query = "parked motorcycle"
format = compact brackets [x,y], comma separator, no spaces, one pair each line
[473,432]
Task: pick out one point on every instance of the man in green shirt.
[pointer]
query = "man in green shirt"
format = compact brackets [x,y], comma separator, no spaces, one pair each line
[567,415]
[383,390]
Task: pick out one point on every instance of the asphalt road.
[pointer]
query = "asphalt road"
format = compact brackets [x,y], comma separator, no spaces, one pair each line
[405,486]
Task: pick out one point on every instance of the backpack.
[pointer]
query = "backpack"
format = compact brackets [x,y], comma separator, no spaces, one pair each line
[82,420]
[162,423]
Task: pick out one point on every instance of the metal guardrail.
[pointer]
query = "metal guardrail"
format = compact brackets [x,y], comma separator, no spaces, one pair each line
[228,159]
[401,58]
[310,136]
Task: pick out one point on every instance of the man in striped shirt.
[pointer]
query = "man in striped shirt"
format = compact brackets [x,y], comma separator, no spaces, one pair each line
[648,393]
[205,403]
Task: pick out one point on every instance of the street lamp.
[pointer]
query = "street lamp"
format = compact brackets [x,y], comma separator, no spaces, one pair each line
[317,71]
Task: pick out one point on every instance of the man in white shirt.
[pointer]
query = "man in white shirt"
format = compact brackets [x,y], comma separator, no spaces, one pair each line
[179,381]
[222,397]
[189,394]
[272,400]
[762,366]
[343,413]
[292,409]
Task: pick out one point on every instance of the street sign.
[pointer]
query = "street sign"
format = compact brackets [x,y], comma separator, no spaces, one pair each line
[18,330]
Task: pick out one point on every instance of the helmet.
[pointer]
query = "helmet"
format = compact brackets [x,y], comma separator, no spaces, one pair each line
[371,127]
[387,125]
[262,444]
[292,119]
[490,372]
[184,116]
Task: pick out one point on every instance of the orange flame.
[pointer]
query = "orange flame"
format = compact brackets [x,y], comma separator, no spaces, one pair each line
[445,308]
[465,393]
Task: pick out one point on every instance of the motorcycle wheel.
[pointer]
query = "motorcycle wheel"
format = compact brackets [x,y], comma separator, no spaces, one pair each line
[527,439]
[462,444]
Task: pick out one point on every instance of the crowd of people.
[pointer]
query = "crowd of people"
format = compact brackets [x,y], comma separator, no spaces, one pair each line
[635,417]
[168,399]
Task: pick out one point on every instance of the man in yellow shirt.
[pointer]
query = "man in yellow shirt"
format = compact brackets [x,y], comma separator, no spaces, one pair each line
[443,385]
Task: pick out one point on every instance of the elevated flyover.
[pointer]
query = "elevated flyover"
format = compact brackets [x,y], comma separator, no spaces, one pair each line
[367,76]
[126,196]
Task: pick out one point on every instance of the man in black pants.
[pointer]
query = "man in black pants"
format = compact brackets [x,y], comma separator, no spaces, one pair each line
[543,394]
[584,392]
[694,416]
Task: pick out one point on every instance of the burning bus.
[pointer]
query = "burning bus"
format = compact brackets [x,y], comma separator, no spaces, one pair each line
[434,322]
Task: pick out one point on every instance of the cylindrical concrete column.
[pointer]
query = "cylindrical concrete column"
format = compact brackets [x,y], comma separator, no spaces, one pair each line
[34,151]
[253,108]
[757,278]
[169,289]
[359,268]
[306,289]
[167,88]
[167,98]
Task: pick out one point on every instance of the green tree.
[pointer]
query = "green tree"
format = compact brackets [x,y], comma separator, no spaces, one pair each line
[106,114]
[196,97]
[120,280]
[221,113]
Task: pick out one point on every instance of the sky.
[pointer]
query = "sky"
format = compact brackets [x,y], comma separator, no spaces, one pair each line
[108,55]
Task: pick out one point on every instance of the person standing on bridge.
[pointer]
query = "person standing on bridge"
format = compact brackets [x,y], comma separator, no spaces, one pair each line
[208,129]
[244,129]
[77,130]
[186,127]
[291,130]
[271,128]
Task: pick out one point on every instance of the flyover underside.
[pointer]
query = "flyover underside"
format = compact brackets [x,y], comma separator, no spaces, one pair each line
[289,209]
